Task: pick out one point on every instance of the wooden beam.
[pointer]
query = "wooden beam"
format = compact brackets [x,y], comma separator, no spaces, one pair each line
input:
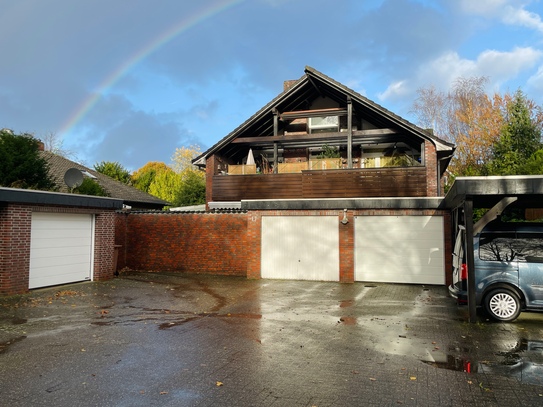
[315,86]
[310,137]
[275,146]
[470,259]
[301,114]
[349,133]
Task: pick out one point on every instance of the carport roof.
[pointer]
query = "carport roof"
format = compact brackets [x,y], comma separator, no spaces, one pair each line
[485,192]
[28,196]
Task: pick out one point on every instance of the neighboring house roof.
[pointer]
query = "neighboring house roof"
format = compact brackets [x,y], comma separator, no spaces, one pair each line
[310,86]
[131,196]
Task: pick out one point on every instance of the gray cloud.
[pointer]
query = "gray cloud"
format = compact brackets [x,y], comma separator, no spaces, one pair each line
[204,82]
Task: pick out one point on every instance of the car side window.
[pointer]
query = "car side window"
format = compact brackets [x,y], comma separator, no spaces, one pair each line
[530,247]
[498,247]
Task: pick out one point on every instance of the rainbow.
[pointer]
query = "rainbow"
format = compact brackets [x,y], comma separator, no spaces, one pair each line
[181,26]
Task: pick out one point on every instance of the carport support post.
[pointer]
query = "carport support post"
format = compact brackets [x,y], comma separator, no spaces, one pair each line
[468,219]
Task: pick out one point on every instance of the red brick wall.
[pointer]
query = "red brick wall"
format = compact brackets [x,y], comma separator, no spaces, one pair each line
[254,237]
[229,243]
[346,247]
[430,160]
[121,220]
[181,242]
[15,227]
[104,241]
[15,221]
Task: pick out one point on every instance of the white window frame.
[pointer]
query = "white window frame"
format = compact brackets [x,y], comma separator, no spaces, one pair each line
[326,123]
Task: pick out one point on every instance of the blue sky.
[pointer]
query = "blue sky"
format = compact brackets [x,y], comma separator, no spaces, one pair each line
[132,80]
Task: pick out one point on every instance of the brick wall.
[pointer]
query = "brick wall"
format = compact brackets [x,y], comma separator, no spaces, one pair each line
[15,228]
[181,242]
[430,158]
[104,245]
[230,243]
[15,221]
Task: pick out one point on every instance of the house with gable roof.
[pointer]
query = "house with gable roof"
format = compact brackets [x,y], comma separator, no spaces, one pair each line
[131,196]
[320,139]
[336,187]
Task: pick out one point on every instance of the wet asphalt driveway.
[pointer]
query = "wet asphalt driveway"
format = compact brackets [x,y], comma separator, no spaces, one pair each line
[149,339]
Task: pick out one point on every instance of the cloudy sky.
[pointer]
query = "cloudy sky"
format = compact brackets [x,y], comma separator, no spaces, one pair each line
[132,80]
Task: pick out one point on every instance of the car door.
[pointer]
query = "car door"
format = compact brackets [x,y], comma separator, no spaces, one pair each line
[497,261]
[530,259]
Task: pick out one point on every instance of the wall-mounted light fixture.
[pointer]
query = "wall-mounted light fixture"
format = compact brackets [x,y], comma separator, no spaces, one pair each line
[344,220]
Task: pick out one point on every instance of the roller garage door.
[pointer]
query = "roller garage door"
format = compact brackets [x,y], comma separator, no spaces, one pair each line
[300,248]
[61,248]
[399,249]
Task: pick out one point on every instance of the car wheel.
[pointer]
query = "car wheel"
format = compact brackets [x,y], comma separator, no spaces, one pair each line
[502,305]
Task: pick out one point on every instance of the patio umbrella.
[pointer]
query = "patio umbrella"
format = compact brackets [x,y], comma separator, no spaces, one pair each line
[250,158]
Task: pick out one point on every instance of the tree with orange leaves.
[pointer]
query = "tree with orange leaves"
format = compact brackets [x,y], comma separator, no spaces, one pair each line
[465,116]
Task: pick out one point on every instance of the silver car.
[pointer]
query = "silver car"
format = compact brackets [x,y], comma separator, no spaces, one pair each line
[508,269]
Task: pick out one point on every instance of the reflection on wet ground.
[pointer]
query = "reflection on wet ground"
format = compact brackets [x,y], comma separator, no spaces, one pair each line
[167,340]
[524,362]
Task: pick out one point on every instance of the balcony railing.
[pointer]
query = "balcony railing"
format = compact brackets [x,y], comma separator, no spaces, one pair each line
[353,183]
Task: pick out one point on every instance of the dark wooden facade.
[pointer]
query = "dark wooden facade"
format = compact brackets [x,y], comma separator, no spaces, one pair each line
[353,183]
[273,154]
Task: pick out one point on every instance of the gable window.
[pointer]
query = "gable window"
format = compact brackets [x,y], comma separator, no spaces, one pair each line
[324,124]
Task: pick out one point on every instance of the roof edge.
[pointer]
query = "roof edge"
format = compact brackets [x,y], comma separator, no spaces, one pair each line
[35,197]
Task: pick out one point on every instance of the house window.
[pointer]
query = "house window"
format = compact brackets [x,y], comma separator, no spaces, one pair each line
[325,124]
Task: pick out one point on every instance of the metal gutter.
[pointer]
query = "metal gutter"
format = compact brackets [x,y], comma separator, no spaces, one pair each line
[35,197]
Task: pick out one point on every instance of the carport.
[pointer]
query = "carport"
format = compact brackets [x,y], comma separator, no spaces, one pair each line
[495,193]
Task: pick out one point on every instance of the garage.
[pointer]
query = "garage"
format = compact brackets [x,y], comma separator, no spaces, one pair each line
[399,249]
[61,248]
[300,248]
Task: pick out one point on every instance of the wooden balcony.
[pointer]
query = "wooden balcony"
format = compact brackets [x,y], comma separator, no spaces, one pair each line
[352,183]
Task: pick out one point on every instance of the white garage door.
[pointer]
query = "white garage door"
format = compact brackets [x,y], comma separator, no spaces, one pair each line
[61,248]
[300,248]
[399,249]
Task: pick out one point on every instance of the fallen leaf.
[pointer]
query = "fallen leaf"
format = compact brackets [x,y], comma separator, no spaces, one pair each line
[413,378]
[219,384]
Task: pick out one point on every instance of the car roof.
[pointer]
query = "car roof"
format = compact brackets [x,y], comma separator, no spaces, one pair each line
[503,227]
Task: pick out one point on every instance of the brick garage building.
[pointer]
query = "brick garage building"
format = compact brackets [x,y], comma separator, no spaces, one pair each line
[49,238]
[293,240]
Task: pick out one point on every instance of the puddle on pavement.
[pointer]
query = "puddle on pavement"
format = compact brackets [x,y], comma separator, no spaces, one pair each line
[5,345]
[523,362]
[346,303]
